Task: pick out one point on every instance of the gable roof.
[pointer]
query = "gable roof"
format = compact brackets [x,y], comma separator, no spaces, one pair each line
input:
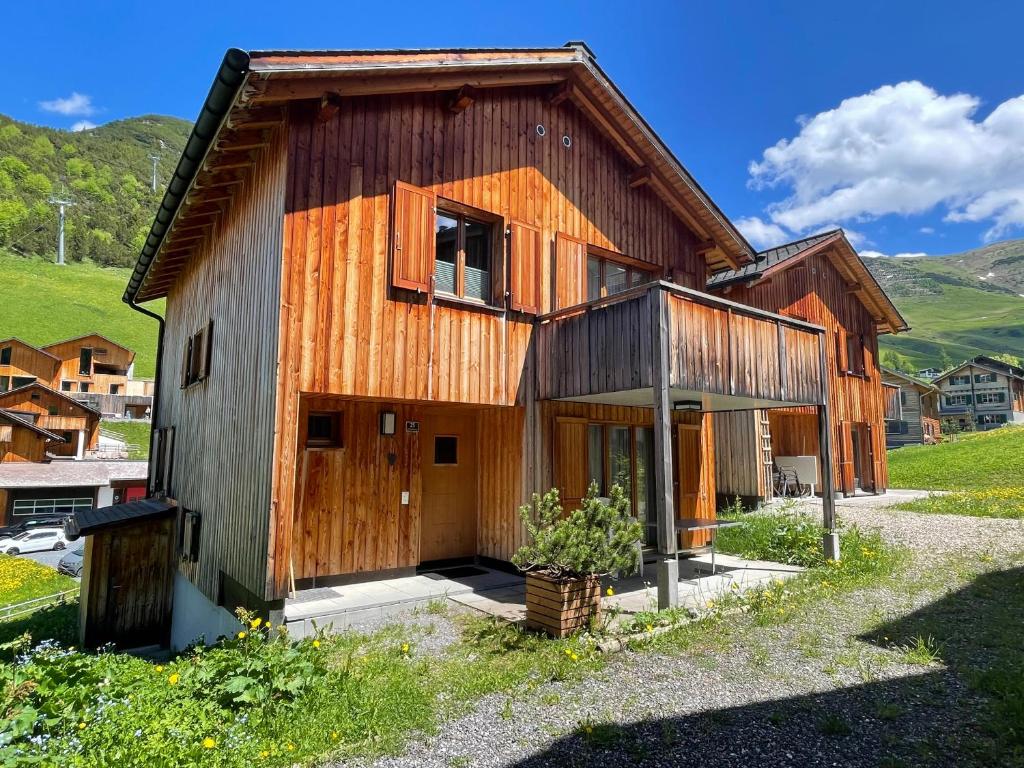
[110,341]
[849,263]
[987,364]
[62,395]
[38,350]
[15,420]
[914,382]
[250,87]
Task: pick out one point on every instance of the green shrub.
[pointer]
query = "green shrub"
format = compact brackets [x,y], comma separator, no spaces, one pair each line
[598,539]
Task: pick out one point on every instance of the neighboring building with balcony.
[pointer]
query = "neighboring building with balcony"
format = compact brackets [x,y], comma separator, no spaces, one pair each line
[982,393]
[915,406]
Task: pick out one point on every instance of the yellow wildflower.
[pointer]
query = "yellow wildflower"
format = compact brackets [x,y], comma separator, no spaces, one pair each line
[209,743]
[255,623]
[650,627]
[609,591]
[81,726]
[241,635]
[405,647]
[334,735]
[316,643]
[574,657]
[264,753]
[289,746]
[568,651]
[173,679]
[588,728]
[159,668]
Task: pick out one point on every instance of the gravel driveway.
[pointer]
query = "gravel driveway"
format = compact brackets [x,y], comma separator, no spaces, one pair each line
[815,691]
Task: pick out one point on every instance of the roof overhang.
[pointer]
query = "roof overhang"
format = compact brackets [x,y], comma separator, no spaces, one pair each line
[131,352]
[58,393]
[89,521]
[916,383]
[247,98]
[15,421]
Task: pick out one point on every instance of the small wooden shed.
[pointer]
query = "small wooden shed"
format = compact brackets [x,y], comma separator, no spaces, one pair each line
[127,574]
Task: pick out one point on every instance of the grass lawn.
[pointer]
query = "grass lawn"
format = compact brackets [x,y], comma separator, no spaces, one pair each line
[22,579]
[80,298]
[135,433]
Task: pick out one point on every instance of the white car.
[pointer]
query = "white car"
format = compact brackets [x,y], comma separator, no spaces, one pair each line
[34,540]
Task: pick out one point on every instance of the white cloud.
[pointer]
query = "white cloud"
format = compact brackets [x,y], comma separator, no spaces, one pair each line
[927,230]
[901,149]
[762,234]
[880,255]
[75,104]
[83,125]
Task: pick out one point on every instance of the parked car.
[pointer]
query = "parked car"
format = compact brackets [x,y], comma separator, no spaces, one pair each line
[71,563]
[34,540]
[9,531]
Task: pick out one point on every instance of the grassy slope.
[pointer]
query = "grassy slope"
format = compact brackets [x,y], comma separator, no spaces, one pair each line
[43,303]
[978,461]
[135,434]
[22,579]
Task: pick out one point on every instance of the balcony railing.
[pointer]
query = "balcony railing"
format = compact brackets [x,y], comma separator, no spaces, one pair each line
[719,355]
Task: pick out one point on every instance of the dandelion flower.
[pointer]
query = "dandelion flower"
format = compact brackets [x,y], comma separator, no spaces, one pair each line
[289,746]
[255,623]
[574,657]
[81,726]
[173,679]
[568,651]
[209,743]
[159,668]
[334,735]
[316,643]
[609,591]
[405,647]
[589,729]
[241,635]
[264,753]
[650,627]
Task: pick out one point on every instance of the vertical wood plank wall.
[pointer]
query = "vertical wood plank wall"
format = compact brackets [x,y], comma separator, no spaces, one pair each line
[816,292]
[69,353]
[345,331]
[70,416]
[738,470]
[23,445]
[224,425]
[26,360]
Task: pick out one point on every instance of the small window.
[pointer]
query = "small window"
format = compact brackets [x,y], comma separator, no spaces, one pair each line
[5,356]
[85,361]
[65,386]
[5,383]
[52,410]
[115,389]
[195,364]
[35,396]
[855,354]
[446,449]
[22,381]
[606,277]
[463,255]
[985,378]
[83,386]
[323,430]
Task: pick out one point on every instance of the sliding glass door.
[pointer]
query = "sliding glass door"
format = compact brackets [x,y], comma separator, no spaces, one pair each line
[621,455]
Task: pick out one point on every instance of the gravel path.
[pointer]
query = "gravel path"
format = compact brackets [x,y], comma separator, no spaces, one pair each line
[811,692]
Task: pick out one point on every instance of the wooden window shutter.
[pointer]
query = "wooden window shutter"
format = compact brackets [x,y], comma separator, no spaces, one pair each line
[204,360]
[412,237]
[846,466]
[525,268]
[570,266]
[570,461]
[842,361]
[186,359]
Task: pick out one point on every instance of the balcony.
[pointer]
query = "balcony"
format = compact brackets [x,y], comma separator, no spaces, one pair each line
[710,353]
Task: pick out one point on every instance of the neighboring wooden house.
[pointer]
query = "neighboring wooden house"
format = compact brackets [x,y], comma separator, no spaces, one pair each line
[918,419]
[91,364]
[75,422]
[22,440]
[982,393]
[404,290]
[819,280]
[21,364]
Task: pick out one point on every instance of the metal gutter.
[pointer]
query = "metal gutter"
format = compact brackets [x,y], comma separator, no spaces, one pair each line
[226,86]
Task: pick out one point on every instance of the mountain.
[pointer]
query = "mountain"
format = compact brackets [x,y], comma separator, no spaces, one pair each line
[106,171]
[958,305]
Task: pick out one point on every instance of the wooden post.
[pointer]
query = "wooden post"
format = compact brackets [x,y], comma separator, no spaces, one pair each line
[828,500]
[664,503]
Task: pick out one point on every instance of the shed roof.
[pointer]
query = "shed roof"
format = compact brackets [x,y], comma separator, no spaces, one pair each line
[13,418]
[70,473]
[773,260]
[32,347]
[251,87]
[129,350]
[89,521]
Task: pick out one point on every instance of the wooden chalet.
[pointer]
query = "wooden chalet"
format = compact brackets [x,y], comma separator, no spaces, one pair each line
[22,440]
[91,364]
[77,424]
[21,364]
[406,289]
[819,280]
[916,420]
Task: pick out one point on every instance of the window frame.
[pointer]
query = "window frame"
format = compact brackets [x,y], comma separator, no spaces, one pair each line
[197,356]
[85,361]
[496,267]
[604,258]
[446,463]
[6,353]
[334,441]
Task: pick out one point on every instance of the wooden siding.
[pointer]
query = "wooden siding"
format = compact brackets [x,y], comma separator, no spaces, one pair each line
[114,355]
[20,444]
[26,360]
[816,292]
[224,425]
[70,417]
[346,331]
[736,469]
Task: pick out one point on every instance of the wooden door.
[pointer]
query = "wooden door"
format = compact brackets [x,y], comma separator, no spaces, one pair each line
[448,514]
[846,468]
[696,490]
[570,461]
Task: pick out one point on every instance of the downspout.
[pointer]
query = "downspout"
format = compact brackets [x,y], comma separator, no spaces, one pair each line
[156,380]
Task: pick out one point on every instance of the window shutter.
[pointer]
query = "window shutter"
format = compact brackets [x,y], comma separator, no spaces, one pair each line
[185,361]
[168,458]
[412,237]
[204,361]
[570,274]
[525,268]
[842,362]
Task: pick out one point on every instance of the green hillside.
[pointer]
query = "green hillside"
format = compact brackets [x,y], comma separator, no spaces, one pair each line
[106,171]
[953,314]
[43,303]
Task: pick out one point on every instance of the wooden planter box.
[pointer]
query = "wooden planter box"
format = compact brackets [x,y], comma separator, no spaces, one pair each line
[561,607]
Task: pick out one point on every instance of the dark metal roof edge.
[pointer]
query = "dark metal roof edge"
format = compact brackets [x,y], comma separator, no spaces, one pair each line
[129,512]
[57,392]
[226,85]
[15,421]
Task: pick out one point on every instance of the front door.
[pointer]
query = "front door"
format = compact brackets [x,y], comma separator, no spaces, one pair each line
[858,458]
[448,467]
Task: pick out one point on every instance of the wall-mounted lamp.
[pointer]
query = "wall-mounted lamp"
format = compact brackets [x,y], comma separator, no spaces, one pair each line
[387,422]
[686,405]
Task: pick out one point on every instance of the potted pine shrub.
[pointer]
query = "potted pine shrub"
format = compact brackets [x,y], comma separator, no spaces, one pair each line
[568,554]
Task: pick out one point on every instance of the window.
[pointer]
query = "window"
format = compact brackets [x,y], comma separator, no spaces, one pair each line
[195,363]
[5,383]
[64,506]
[896,427]
[115,388]
[5,356]
[463,255]
[606,277]
[85,362]
[52,410]
[83,386]
[990,398]
[65,386]
[959,380]
[35,396]
[323,430]
[446,449]
[991,418]
[958,399]
[855,354]
[624,456]
[162,466]
[985,378]
[22,381]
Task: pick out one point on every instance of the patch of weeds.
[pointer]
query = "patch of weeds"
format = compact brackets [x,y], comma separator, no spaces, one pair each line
[759,657]
[551,699]
[891,761]
[809,644]
[778,718]
[459,761]
[888,711]
[601,735]
[834,724]
[921,650]
[438,607]
[506,712]
[668,732]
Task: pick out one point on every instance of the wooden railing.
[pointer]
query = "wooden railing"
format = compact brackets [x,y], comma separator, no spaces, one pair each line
[714,346]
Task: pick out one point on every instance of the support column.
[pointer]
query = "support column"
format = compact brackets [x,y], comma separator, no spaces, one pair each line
[664,501]
[830,541]
[81,444]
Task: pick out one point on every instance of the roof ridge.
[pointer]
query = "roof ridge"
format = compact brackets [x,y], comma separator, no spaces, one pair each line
[827,233]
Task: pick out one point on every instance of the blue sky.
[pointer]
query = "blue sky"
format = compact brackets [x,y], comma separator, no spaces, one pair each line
[911,121]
